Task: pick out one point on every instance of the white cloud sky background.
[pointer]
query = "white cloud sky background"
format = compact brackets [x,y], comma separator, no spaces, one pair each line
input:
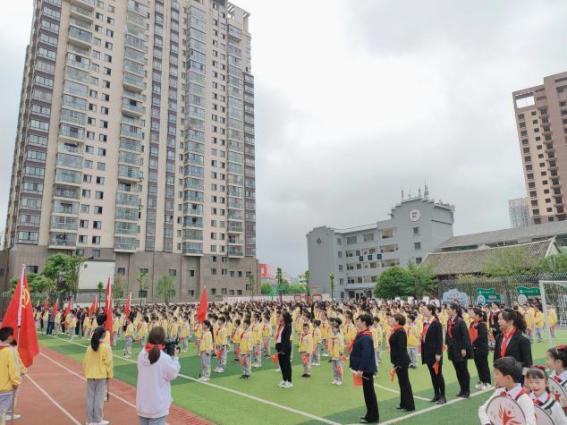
[357,99]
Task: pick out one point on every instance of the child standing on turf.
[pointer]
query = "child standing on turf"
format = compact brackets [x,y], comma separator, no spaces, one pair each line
[266,335]
[257,336]
[508,378]
[536,382]
[184,335]
[205,350]
[220,344]
[336,349]
[305,350]
[128,338]
[198,332]
[246,342]
[377,337]
[236,339]
[316,343]
[97,366]
[413,340]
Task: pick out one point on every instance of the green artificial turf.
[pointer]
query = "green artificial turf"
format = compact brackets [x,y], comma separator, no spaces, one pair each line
[315,395]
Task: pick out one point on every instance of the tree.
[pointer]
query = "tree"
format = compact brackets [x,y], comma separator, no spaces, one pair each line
[64,270]
[296,289]
[511,261]
[332,285]
[554,263]
[118,287]
[424,281]
[166,288]
[100,289]
[39,285]
[265,289]
[394,282]
[307,278]
[252,284]
[279,280]
[142,280]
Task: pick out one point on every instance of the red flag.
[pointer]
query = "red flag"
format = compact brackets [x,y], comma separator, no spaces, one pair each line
[108,307]
[128,305]
[56,307]
[93,307]
[68,308]
[19,316]
[203,306]
[46,304]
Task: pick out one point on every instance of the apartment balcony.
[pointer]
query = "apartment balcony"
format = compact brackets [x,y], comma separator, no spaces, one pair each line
[59,240]
[124,228]
[138,8]
[134,83]
[192,248]
[66,192]
[129,173]
[129,214]
[125,244]
[82,12]
[132,133]
[64,223]
[87,3]
[130,145]
[127,199]
[68,177]
[235,251]
[80,37]
[132,108]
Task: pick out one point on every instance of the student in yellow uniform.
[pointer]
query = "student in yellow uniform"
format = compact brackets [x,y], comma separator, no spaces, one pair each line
[413,339]
[257,336]
[116,324]
[305,350]
[97,367]
[336,350]
[325,334]
[316,333]
[377,338]
[236,339]
[221,344]
[552,320]
[246,341]
[198,332]
[128,338]
[539,324]
[11,370]
[184,335]
[349,331]
[143,331]
[266,335]
[205,350]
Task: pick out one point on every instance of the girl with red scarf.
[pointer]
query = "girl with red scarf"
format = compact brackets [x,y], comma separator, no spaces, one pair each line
[512,342]
[478,333]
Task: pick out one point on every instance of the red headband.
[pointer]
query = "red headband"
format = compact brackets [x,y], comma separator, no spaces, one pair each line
[149,346]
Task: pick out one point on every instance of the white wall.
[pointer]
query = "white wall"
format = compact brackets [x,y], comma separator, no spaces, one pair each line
[93,272]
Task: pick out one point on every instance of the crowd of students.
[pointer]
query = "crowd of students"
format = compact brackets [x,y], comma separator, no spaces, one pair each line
[328,330]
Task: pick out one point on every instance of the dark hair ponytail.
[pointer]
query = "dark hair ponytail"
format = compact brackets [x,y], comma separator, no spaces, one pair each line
[458,309]
[559,353]
[516,317]
[157,338]
[433,309]
[98,334]
[481,313]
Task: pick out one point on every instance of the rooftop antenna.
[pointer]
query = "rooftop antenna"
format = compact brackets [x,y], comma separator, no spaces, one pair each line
[419,192]
[426,191]
[402,194]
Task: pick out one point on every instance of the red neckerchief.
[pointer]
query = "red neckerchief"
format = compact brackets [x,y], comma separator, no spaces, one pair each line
[506,340]
[279,331]
[149,346]
[520,393]
[473,331]
[557,379]
[366,332]
[396,328]
[450,325]
[538,402]
[426,328]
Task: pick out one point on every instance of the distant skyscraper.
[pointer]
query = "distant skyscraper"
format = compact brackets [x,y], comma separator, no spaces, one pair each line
[519,212]
[135,141]
[541,116]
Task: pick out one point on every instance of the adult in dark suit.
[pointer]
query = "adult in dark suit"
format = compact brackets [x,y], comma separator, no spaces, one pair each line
[400,360]
[493,320]
[283,348]
[459,348]
[478,334]
[432,352]
[511,341]
[363,363]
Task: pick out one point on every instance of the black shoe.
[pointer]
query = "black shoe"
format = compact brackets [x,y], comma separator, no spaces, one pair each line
[410,410]
[368,421]
[434,399]
[243,377]
[465,395]
[459,395]
[400,408]
[441,400]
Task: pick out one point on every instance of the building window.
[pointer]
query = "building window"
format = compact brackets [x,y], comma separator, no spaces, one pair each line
[172,272]
[351,240]
[418,260]
[417,245]
[416,230]
[213,271]
[191,292]
[121,271]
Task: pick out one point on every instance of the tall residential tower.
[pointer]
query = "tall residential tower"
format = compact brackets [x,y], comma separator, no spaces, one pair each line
[135,142]
[541,117]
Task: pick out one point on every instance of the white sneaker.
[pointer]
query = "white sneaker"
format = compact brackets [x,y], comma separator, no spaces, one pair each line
[289,385]
[281,384]
[278,370]
[479,386]
[486,387]
[334,383]
[104,422]
[339,383]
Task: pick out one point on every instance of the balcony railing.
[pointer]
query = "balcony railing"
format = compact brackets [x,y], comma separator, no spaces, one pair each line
[83,12]
[80,36]
[133,83]
[125,244]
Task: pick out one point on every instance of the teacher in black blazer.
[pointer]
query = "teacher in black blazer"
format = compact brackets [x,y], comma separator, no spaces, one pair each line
[432,351]
[511,341]
[459,348]
[400,360]
[283,348]
[478,334]
[363,363]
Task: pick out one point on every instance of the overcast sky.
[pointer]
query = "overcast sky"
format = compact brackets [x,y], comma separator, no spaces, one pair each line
[358,99]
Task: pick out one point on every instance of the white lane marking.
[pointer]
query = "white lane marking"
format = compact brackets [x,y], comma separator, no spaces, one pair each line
[84,379]
[230,390]
[397,392]
[73,419]
[429,409]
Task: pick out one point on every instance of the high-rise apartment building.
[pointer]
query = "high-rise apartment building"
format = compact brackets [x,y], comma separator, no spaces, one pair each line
[541,117]
[135,141]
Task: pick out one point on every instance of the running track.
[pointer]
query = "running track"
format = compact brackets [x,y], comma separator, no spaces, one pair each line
[54,392]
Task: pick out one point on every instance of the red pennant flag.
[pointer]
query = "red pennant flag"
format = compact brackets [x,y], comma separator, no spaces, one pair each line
[108,307]
[68,308]
[19,316]
[128,306]
[56,306]
[46,304]
[203,306]
[93,307]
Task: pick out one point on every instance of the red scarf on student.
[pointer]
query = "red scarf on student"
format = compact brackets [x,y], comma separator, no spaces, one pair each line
[506,340]
[426,328]
[396,328]
[366,332]
[538,402]
[473,331]
[450,325]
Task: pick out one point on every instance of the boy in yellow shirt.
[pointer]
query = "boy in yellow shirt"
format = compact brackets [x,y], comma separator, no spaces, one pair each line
[221,344]
[377,337]
[236,339]
[336,349]
[246,345]
[413,340]
[266,335]
[305,350]
[316,343]
[206,350]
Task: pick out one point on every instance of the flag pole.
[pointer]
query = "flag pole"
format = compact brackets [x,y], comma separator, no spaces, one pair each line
[19,327]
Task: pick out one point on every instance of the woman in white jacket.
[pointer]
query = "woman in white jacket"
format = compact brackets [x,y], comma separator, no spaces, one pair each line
[156,370]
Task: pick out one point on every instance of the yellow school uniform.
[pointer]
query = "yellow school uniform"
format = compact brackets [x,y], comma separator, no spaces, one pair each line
[129,331]
[336,346]
[538,319]
[306,343]
[9,376]
[206,343]
[246,341]
[377,335]
[221,336]
[236,336]
[552,317]
[316,333]
[98,364]
[266,330]
[413,336]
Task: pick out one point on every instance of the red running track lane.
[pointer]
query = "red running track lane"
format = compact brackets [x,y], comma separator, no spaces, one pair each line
[55,393]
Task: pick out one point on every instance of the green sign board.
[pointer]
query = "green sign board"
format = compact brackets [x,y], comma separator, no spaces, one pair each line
[524,294]
[487,296]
